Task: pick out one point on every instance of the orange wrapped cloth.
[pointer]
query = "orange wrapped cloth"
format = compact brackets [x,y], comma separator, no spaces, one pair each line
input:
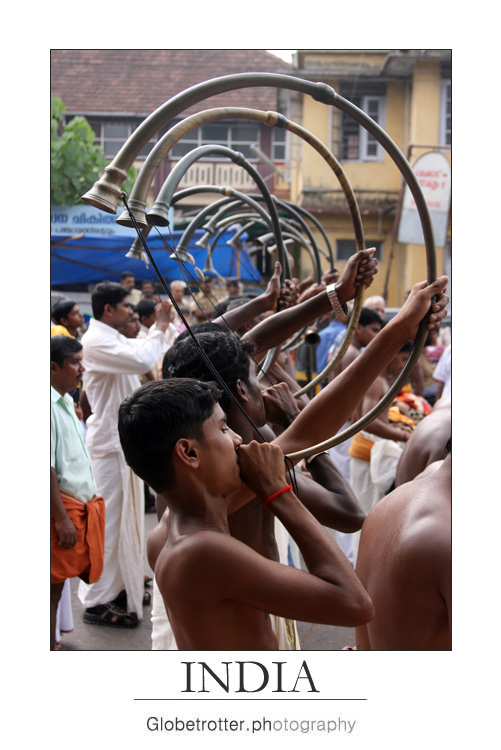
[395,415]
[360,447]
[418,403]
[86,558]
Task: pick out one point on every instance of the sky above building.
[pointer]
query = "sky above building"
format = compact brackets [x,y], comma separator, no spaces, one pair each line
[284,54]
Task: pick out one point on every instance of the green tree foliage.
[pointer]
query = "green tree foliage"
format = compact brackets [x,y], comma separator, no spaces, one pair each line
[76,161]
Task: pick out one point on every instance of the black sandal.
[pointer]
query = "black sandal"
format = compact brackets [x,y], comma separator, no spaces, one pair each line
[110,615]
[121,600]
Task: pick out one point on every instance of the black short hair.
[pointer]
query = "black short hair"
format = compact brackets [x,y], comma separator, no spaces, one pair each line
[126,275]
[146,307]
[228,354]
[407,347]
[61,347]
[154,417]
[107,293]
[369,316]
[207,325]
[62,308]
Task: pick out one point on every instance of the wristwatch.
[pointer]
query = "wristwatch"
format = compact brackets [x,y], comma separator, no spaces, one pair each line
[340,311]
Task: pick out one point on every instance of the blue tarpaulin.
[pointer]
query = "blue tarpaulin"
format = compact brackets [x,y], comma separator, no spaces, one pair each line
[93,258]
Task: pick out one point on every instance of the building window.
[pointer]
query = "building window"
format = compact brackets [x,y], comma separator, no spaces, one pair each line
[237,136]
[446,113]
[112,134]
[350,140]
[278,144]
[346,248]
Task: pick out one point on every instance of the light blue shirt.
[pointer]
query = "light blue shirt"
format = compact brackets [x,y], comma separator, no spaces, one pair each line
[327,336]
[68,454]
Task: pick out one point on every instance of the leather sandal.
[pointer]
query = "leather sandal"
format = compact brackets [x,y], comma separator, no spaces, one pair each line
[111,616]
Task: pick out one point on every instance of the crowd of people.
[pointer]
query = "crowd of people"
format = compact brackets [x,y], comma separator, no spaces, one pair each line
[187,405]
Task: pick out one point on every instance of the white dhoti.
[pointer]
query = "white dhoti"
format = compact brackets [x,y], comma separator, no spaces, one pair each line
[64,616]
[368,493]
[123,568]
[162,637]
[341,457]
[286,633]
[285,630]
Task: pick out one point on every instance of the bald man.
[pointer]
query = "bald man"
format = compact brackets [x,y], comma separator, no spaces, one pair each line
[404,563]
[426,443]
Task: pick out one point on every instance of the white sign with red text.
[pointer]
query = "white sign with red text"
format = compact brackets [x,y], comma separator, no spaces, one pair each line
[433,172]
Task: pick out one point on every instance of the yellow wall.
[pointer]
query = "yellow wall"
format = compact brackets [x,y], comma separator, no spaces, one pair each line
[383,175]
[425,104]
[412,117]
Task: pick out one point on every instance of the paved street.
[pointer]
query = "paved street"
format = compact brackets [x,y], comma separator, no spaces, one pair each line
[97,638]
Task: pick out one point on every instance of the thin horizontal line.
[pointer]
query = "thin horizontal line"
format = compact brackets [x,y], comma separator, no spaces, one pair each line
[250,699]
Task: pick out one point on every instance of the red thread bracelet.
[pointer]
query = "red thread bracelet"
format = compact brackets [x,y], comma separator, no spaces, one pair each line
[276,494]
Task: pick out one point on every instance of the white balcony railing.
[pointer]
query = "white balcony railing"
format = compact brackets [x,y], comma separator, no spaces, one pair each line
[223,175]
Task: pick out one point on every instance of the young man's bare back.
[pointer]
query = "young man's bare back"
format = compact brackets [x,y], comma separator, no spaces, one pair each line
[404,562]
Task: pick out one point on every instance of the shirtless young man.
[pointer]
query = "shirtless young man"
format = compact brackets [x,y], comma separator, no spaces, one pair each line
[404,562]
[221,586]
[218,592]
[324,492]
[336,508]
[381,425]
[232,359]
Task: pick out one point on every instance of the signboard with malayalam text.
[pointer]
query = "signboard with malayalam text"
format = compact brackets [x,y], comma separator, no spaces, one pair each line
[85,219]
[433,172]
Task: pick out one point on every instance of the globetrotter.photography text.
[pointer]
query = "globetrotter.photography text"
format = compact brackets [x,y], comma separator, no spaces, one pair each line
[253,726]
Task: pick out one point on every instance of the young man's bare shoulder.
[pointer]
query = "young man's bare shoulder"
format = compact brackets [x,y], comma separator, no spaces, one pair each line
[420,523]
[202,559]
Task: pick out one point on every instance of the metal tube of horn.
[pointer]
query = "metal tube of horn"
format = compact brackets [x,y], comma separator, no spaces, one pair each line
[106,191]
[157,213]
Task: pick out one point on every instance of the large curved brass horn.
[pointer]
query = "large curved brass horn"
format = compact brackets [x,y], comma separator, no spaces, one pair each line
[106,191]
[197,221]
[220,219]
[140,190]
[164,199]
[312,248]
[318,226]
[288,206]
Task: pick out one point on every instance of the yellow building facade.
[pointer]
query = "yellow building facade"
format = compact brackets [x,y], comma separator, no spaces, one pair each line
[408,93]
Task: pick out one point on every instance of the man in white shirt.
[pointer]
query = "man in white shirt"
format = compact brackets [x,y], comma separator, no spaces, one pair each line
[443,373]
[128,280]
[113,364]
[184,302]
